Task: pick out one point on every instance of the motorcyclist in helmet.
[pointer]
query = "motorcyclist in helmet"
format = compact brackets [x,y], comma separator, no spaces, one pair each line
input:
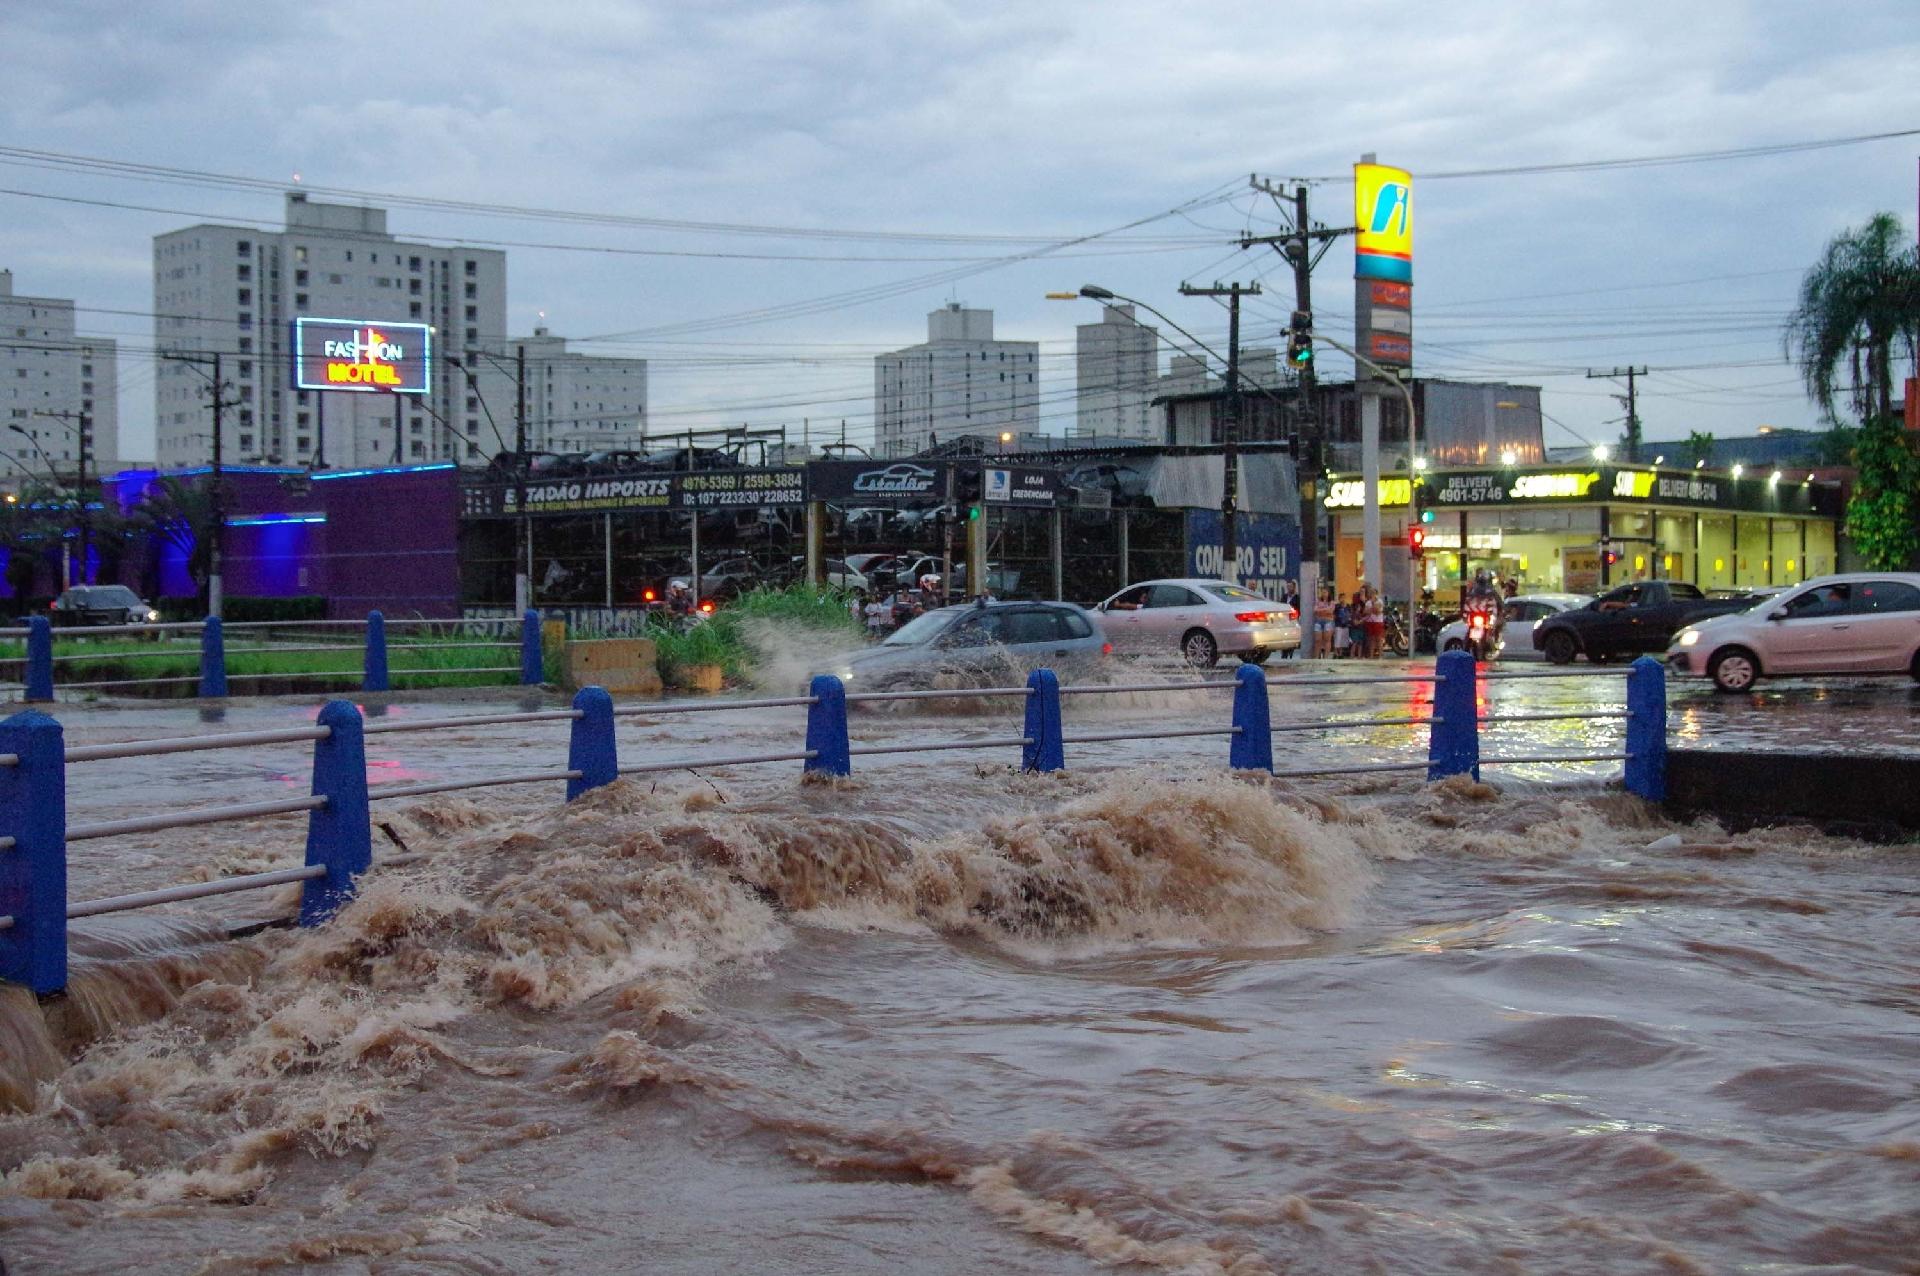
[679,598]
[1483,596]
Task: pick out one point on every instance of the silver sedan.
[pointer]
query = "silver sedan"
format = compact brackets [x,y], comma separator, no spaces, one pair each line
[1200,619]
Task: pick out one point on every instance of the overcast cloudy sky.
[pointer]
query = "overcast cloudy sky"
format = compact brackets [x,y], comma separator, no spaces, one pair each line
[1000,119]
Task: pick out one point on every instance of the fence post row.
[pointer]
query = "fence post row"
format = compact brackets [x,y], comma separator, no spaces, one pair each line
[1044,750]
[532,671]
[1453,740]
[1252,746]
[339,834]
[213,659]
[591,749]
[1647,729]
[33,870]
[373,671]
[39,659]
[827,727]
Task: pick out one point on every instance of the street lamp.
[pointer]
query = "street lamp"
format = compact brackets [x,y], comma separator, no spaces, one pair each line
[78,422]
[53,480]
[1231,449]
[1601,451]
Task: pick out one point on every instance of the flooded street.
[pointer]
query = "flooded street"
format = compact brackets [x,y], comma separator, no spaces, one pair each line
[944,1017]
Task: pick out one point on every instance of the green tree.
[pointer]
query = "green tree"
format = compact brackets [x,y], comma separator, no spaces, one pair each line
[1861,298]
[177,513]
[26,533]
[1699,447]
[1883,514]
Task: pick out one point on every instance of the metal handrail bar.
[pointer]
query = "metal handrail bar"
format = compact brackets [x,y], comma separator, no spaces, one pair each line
[194,743]
[199,890]
[695,706]
[1356,769]
[378,792]
[283,648]
[15,633]
[441,646]
[401,673]
[1559,673]
[868,696]
[1098,736]
[1355,724]
[1203,684]
[127,682]
[201,815]
[473,720]
[1561,757]
[63,633]
[389,621]
[400,860]
[1309,680]
[183,653]
[937,746]
[695,764]
[1554,717]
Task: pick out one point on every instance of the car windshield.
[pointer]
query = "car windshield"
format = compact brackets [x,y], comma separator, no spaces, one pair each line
[920,630]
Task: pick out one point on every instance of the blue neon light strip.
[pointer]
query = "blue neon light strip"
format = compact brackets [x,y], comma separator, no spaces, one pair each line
[392,469]
[275,520]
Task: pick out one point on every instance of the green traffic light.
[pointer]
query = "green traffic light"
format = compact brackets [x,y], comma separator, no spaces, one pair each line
[1426,516]
[973,513]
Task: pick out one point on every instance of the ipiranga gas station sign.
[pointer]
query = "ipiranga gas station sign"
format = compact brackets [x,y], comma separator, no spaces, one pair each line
[362,355]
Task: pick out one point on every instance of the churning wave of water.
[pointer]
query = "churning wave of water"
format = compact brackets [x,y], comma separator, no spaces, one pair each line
[1002,1022]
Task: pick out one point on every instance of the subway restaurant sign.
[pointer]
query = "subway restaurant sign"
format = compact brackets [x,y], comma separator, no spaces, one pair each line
[362,355]
[1591,485]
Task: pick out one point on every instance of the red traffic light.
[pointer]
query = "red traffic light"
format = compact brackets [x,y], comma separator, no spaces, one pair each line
[1417,540]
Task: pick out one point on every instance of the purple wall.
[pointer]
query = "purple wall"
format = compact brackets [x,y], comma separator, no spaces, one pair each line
[363,539]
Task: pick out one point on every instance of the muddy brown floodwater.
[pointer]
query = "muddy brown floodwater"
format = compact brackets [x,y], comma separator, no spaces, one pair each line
[946,1018]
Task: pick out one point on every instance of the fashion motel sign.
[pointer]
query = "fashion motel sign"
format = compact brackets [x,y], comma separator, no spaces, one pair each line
[363,355]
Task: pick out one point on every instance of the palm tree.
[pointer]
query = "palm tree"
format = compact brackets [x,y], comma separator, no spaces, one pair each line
[179,513]
[1862,296]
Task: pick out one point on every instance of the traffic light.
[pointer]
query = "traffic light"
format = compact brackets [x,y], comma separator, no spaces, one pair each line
[1421,509]
[968,491]
[1300,339]
[1417,540]
[1612,556]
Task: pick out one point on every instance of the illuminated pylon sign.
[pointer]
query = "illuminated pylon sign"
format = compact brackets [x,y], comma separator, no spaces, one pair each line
[362,355]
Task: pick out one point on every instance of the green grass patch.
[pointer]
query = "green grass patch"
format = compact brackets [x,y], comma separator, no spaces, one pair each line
[408,667]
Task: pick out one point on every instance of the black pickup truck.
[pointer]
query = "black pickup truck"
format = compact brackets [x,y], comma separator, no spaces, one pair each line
[1628,621]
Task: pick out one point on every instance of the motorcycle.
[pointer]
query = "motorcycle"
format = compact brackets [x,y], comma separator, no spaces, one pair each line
[1483,629]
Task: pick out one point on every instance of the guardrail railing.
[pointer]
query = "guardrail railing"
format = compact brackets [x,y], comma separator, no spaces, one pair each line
[34,833]
[278,637]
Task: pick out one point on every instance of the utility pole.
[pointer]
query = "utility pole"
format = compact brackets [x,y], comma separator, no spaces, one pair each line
[1298,246]
[1632,402]
[523,541]
[217,493]
[1230,423]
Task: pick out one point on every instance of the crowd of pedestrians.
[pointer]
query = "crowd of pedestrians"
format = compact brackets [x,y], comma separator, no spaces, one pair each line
[883,611]
[1349,627]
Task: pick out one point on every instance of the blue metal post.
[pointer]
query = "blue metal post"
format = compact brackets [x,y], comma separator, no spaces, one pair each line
[1044,750]
[827,727]
[39,659]
[532,672]
[591,751]
[1453,742]
[373,674]
[1252,748]
[33,871]
[339,834]
[213,659]
[1647,729]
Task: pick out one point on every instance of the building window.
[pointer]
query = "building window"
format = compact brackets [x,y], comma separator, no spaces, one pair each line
[413,310]
[300,299]
[416,448]
[300,253]
[243,272]
[413,286]
[473,335]
[349,254]
[245,320]
[246,443]
[246,367]
[473,314]
[246,344]
[300,277]
[244,247]
[334,279]
[473,269]
[413,263]
[301,418]
[473,291]
[245,297]
[303,442]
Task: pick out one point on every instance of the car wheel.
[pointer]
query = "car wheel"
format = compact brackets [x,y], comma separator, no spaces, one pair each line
[1733,670]
[1560,647]
[1254,657]
[1200,650]
[1454,644]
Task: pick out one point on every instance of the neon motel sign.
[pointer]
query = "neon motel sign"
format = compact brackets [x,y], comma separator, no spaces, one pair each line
[362,355]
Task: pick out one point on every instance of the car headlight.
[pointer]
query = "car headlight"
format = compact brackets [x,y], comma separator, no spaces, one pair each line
[1688,637]
[153,615]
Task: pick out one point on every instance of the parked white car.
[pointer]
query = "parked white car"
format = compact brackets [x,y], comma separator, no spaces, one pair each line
[1520,614]
[1199,619]
[1859,623]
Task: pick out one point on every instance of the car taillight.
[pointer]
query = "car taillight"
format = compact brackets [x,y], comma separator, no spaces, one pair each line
[1106,649]
[706,607]
[648,596]
[1251,617]
[1293,613]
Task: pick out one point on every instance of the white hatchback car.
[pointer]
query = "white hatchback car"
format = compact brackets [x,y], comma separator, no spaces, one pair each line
[1200,619]
[1859,623]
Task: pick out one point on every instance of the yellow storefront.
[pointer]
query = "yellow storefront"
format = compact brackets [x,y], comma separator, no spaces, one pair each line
[1579,530]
